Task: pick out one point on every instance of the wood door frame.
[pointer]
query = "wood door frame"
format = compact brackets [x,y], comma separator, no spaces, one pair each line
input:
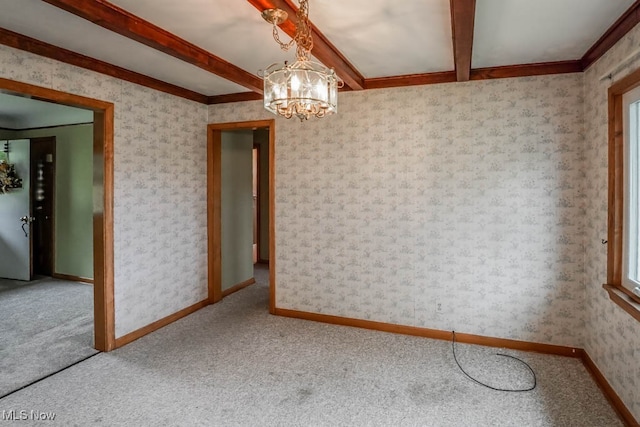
[52,242]
[214,205]
[257,225]
[103,293]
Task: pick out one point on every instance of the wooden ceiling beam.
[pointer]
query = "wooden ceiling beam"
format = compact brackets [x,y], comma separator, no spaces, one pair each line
[111,17]
[28,44]
[525,70]
[463,14]
[619,28]
[410,80]
[233,97]
[322,48]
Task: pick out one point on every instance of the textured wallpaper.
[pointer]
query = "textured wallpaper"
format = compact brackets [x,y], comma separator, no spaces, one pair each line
[465,195]
[483,197]
[160,191]
[612,336]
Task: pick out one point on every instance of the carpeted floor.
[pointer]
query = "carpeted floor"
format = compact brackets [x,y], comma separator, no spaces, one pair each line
[233,364]
[45,325]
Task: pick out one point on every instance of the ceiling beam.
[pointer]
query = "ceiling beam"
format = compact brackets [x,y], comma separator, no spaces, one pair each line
[463,14]
[525,70]
[619,28]
[233,97]
[19,41]
[322,48]
[410,80]
[118,20]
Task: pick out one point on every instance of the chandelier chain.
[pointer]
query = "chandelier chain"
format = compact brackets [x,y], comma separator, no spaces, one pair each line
[276,37]
[302,38]
[304,41]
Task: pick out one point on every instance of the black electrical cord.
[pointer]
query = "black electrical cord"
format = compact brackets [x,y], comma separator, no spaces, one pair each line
[453,345]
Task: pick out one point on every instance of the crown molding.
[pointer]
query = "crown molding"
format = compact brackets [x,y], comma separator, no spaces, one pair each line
[111,17]
[28,44]
[619,28]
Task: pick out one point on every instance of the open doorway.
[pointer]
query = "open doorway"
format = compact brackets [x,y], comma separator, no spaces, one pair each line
[233,244]
[100,146]
[46,292]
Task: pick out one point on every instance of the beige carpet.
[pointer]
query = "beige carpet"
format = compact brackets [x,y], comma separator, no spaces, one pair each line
[233,364]
[45,325]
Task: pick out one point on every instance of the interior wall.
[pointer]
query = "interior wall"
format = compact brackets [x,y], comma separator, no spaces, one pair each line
[6,134]
[612,335]
[160,171]
[465,195]
[261,137]
[73,198]
[237,207]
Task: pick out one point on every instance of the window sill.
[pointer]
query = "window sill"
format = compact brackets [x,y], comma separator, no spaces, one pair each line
[623,300]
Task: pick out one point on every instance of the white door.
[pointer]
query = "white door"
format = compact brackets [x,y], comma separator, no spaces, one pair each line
[15,257]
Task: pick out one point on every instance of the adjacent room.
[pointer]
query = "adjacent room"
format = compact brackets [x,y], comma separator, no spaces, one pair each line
[309,212]
[46,235]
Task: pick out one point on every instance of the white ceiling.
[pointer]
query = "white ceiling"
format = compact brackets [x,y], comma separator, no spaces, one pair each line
[44,22]
[379,37]
[383,38]
[18,112]
[509,32]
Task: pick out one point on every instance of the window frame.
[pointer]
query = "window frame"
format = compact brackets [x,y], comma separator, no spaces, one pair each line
[615,243]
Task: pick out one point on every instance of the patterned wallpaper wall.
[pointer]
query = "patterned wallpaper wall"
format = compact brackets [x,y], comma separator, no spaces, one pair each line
[160,197]
[468,195]
[481,196]
[612,336]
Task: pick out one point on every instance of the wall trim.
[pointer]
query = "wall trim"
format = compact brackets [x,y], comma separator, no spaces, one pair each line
[139,333]
[28,44]
[214,205]
[72,278]
[614,33]
[236,288]
[617,403]
[103,118]
[435,333]
[620,296]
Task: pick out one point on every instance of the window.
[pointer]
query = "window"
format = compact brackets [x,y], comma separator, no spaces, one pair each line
[623,253]
[631,158]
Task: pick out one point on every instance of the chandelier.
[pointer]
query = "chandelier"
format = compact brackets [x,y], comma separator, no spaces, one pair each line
[304,88]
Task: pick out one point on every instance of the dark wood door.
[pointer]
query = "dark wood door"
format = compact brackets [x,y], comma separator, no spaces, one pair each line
[43,172]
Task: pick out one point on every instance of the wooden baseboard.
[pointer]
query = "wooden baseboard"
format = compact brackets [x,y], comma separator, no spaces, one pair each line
[132,336]
[72,278]
[624,413]
[435,333]
[237,287]
[617,403]
[263,261]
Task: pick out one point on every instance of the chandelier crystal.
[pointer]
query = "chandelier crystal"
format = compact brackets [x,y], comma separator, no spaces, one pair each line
[304,88]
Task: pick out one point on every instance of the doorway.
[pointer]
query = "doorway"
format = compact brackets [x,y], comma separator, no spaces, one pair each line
[215,197]
[103,115]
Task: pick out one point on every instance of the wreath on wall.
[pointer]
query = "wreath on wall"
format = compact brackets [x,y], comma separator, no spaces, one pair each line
[9,178]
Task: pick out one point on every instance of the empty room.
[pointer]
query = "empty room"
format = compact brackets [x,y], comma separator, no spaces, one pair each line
[321,213]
